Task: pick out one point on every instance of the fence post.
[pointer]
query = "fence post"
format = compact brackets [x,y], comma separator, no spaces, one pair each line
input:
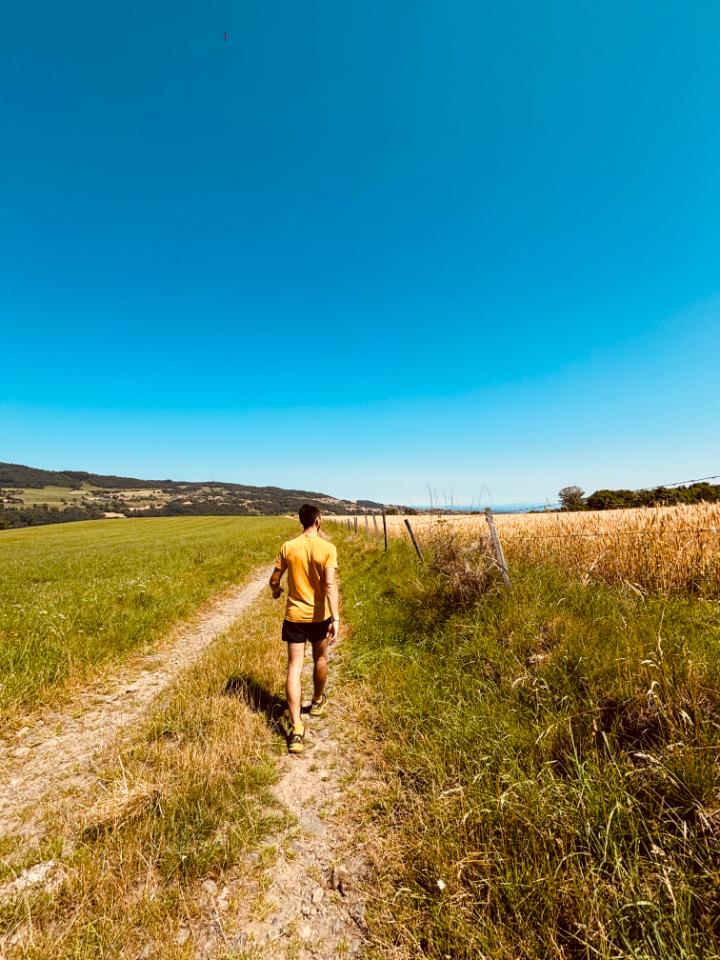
[412,537]
[375,524]
[385,530]
[355,523]
[497,548]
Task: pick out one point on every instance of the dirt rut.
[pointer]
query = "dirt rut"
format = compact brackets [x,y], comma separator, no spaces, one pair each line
[313,907]
[57,749]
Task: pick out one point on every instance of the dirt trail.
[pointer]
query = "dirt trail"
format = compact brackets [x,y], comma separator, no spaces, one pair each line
[58,749]
[314,904]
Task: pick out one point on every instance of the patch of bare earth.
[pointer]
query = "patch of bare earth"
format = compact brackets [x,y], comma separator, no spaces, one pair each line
[312,905]
[61,749]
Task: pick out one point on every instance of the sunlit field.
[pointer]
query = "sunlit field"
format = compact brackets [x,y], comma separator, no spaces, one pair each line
[75,597]
[552,749]
[670,550]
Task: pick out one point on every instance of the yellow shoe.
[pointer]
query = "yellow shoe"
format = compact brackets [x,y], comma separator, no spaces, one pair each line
[317,707]
[296,739]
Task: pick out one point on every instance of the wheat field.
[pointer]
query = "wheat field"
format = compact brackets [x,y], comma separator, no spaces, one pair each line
[669,550]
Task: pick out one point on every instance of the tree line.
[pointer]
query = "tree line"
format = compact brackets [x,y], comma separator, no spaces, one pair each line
[573,498]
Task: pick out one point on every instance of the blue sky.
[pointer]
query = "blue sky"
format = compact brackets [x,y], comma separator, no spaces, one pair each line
[363,248]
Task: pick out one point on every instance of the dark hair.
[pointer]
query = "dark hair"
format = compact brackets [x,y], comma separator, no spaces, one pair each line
[308,515]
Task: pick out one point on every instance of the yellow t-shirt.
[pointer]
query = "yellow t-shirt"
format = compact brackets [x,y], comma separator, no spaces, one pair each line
[306,559]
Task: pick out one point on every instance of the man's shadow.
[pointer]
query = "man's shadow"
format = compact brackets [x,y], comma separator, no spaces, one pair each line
[260,699]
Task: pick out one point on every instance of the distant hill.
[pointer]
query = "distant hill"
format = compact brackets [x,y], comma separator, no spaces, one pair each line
[30,496]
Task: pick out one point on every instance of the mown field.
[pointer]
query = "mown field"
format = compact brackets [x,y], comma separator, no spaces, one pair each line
[77,597]
[552,751]
[52,496]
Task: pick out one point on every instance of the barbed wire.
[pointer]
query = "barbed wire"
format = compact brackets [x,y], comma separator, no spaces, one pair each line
[607,534]
[657,486]
[667,486]
[683,483]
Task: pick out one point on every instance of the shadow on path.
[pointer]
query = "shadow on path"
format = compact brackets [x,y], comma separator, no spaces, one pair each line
[260,699]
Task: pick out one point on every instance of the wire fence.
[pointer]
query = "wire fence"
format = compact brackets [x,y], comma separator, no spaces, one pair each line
[670,550]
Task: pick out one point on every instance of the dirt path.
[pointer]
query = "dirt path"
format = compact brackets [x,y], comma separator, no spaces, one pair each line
[313,905]
[59,748]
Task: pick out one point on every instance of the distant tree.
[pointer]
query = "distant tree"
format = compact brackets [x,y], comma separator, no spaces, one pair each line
[572,498]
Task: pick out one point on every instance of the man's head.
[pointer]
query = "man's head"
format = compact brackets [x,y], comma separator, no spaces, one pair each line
[309,516]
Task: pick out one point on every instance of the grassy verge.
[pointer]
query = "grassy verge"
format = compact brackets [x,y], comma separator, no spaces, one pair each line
[553,760]
[77,596]
[158,858]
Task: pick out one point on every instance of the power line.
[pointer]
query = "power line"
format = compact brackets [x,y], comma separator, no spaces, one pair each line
[658,486]
[683,483]
[510,534]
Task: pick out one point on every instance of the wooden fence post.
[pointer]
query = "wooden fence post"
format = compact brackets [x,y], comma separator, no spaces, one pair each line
[497,548]
[355,523]
[375,524]
[385,529]
[412,537]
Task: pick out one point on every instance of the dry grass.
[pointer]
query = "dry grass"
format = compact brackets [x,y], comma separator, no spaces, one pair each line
[552,754]
[157,860]
[667,550]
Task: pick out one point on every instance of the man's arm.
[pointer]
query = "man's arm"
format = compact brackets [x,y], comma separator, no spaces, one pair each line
[275,578]
[331,593]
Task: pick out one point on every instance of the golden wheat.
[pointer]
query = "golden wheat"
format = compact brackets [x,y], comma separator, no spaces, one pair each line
[671,550]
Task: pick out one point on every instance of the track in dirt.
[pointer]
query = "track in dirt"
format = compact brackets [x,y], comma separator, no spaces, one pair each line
[314,904]
[58,749]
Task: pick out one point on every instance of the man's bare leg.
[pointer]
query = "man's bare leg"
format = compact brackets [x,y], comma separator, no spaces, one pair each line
[293,686]
[320,667]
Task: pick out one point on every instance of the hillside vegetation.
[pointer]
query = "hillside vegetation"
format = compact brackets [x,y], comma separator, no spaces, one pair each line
[31,497]
[552,753]
[77,597]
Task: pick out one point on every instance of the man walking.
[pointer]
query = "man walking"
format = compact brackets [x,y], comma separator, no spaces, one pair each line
[311,614]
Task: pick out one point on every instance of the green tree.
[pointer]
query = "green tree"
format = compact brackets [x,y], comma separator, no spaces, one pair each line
[572,498]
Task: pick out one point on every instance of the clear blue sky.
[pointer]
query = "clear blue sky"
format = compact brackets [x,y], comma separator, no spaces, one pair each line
[363,247]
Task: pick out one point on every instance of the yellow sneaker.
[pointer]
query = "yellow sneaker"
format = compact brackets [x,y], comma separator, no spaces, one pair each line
[296,739]
[317,707]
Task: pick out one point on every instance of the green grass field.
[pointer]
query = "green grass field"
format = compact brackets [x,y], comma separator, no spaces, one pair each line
[77,597]
[553,759]
[52,496]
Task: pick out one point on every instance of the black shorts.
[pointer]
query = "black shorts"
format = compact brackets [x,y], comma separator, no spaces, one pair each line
[301,632]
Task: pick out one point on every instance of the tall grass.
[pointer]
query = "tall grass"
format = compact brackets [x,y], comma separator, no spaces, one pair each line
[78,596]
[553,759]
[669,550]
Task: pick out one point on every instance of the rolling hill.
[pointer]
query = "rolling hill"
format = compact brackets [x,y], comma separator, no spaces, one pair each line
[30,496]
